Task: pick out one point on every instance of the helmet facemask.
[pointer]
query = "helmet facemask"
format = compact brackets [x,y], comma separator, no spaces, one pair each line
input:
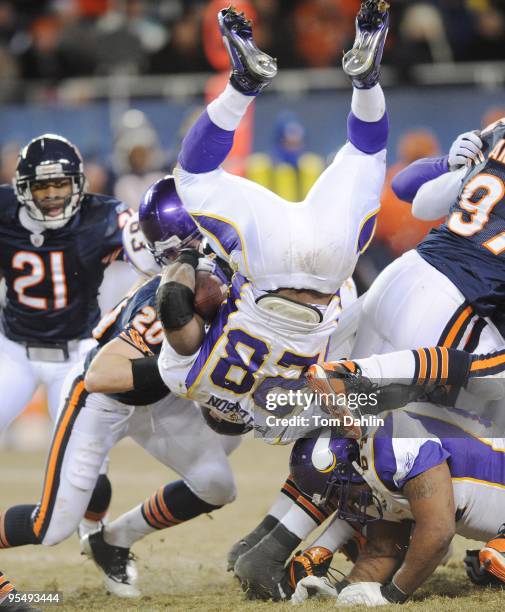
[71,202]
[166,251]
[351,504]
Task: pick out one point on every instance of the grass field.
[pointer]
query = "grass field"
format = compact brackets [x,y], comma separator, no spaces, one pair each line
[183,568]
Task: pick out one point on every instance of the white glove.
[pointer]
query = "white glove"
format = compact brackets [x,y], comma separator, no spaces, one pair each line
[365,593]
[320,585]
[464,149]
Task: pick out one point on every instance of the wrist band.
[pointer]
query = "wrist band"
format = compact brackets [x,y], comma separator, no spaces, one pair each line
[393,594]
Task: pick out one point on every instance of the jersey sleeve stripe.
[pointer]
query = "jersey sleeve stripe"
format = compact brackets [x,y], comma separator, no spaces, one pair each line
[485,365]
[434,373]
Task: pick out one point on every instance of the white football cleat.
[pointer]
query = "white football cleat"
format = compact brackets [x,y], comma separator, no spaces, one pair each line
[117,564]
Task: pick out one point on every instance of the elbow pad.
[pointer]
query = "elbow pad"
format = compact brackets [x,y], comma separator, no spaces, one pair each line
[174,303]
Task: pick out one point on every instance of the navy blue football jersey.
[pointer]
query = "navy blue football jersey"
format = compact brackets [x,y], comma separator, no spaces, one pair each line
[469,248]
[135,321]
[53,278]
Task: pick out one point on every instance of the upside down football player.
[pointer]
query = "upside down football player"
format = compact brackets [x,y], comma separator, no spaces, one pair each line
[119,393]
[283,305]
[440,475]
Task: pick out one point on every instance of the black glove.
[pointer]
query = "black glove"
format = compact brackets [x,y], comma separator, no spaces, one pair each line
[189,256]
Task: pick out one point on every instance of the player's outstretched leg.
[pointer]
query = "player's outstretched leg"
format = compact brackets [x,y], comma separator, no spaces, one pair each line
[367,124]
[210,139]
[109,547]
[261,570]
[284,501]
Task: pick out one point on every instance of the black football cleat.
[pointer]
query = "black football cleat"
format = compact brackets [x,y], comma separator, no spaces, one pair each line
[116,563]
[261,570]
[252,69]
[362,62]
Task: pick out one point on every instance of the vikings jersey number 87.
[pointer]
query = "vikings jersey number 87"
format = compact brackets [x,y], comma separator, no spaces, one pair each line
[241,362]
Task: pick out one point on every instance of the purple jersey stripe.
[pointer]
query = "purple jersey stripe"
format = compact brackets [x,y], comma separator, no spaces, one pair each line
[366,233]
[216,328]
[429,455]
[222,231]
[383,454]
[407,183]
[470,457]
[205,146]
[368,136]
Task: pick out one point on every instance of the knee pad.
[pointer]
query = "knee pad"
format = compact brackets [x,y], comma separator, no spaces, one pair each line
[214,483]
[84,459]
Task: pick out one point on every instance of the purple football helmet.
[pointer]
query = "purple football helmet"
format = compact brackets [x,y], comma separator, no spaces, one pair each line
[165,223]
[322,468]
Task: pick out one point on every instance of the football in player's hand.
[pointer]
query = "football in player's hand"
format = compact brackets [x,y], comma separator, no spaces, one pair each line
[209,293]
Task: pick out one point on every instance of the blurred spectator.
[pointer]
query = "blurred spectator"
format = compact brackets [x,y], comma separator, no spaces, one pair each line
[422,36]
[492,115]
[396,227]
[8,161]
[321,27]
[289,139]
[184,50]
[139,158]
[119,44]
[98,176]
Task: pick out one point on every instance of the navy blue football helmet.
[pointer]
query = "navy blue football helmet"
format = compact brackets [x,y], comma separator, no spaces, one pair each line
[49,157]
[326,469]
[165,223]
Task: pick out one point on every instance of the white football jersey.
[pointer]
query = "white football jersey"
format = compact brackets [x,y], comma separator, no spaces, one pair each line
[422,436]
[246,353]
[313,244]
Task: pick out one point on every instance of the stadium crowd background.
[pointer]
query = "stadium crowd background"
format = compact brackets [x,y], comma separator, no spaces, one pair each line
[123,79]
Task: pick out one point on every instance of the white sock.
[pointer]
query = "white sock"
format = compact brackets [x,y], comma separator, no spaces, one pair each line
[336,534]
[368,104]
[397,367]
[127,529]
[281,505]
[227,110]
[298,522]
